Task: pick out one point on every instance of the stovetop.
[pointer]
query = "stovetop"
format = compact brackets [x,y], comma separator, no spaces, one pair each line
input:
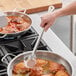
[19,45]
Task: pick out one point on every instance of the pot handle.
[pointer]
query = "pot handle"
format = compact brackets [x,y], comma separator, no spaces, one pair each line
[22,10]
[4,58]
[3,36]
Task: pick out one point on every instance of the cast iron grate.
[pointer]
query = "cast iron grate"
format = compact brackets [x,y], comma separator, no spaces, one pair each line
[19,45]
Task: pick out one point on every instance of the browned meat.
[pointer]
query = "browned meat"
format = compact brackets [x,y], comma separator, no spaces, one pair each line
[20,68]
[42,68]
[62,73]
[15,24]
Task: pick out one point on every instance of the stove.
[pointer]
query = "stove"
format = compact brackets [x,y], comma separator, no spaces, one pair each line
[27,41]
[19,45]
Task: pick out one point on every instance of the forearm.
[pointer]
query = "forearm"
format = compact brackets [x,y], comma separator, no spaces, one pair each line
[67,10]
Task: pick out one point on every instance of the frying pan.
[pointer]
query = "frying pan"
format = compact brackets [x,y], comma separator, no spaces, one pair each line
[20,14]
[40,54]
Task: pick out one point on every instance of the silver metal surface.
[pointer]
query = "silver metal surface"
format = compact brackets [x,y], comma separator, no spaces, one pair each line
[32,57]
[10,13]
[3,19]
[40,54]
[72,34]
[4,58]
[37,42]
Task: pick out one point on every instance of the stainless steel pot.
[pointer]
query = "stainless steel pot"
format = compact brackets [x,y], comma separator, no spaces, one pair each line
[40,54]
[13,13]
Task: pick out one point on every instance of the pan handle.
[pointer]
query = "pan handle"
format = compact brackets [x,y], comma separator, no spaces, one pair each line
[4,58]
[2,36]
[22,10]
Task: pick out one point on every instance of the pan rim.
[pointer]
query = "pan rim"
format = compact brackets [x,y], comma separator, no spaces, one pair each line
[28,52]
[19,31]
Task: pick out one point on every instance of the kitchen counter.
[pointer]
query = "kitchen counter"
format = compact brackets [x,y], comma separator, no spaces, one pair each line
[54,42]
[31,6]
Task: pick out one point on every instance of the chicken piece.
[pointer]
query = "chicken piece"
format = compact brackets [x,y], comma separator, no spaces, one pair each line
[20,68]
[1,29]
[42,68]
[23,26]
[48,74]
[62,73]
[41,62]
[16,24]
[9,19]
[62,67]
[36,71]
[18,20]
[5,31]
[11,28]
[54,67]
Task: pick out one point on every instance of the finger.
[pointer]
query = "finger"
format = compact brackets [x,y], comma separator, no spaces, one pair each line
[43,22]
[47,27]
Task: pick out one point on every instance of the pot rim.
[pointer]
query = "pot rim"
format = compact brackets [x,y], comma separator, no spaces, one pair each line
[39,51]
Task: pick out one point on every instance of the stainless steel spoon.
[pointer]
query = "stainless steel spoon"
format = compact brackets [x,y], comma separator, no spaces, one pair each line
[30,61]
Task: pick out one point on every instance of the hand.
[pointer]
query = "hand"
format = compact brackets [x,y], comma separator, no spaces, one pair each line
[47,20]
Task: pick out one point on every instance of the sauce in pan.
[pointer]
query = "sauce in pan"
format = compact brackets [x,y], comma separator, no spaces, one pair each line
[42,68]
[15,24]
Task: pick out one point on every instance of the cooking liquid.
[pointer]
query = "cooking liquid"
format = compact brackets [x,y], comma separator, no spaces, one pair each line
[15,24]
[41,68]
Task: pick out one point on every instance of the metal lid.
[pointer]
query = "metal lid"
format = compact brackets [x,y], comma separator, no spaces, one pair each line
[3,19]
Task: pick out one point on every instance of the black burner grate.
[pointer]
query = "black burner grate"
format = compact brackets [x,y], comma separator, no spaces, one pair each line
[19,45]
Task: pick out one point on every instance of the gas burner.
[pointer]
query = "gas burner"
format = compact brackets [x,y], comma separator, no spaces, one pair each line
[3,68]
[23,43]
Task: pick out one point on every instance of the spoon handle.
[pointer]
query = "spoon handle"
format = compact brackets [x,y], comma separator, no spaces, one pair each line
[50,9]
[37,42]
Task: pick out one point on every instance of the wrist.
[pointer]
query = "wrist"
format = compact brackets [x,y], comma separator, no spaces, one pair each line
[57,13]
